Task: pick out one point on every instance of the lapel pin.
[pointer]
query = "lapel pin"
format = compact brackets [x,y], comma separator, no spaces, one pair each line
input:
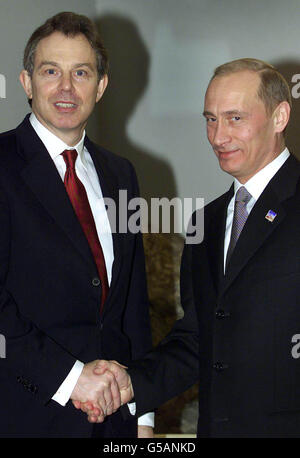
[270,216]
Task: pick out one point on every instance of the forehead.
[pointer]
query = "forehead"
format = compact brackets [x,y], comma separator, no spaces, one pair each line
[234,91]
[60,48]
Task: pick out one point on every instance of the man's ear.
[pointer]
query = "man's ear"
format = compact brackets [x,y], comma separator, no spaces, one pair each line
[25,80]
[281,116]
[101,87]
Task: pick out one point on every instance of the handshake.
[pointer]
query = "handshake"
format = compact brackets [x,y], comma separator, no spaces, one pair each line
[101,389]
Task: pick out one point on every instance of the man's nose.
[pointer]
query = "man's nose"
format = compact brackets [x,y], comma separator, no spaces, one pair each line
[66,82]
[222,134]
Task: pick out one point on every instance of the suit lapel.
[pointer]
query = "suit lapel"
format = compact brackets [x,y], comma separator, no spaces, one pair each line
[215,239]
[257,228]
[41,176]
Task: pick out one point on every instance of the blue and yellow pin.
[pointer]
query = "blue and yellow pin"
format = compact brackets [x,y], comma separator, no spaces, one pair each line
[270,216]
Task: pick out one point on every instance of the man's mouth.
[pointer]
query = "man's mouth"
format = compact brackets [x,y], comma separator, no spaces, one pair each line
[227,152]
[65,104]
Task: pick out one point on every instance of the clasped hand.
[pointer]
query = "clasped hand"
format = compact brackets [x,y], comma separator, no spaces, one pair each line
[101,389]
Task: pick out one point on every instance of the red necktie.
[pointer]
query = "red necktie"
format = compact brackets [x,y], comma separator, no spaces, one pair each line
[79,200]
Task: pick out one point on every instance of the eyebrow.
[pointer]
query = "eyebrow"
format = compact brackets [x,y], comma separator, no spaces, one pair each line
[226,113]
[55,64]
[235,112]
[85,64]
[207,113]
[47,62]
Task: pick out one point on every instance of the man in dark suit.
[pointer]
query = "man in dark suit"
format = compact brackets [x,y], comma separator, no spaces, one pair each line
[72,288]
[241,286]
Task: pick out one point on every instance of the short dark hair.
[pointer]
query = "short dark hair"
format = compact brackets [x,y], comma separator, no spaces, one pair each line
[70,24]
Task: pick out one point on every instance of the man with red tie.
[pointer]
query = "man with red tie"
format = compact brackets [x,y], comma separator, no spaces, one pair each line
[72,289]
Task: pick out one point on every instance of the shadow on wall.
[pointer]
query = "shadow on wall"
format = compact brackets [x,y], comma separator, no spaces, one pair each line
[128,79]
[288,69]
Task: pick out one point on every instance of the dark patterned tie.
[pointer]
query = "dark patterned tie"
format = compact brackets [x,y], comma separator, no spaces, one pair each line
[79,200]
[239,219]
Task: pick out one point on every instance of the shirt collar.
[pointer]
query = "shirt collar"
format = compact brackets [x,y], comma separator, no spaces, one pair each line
[259,181]
[54,145]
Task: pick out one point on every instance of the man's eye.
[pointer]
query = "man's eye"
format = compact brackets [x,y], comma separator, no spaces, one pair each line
[236,118]
[210,119]
[51,71]
[80,73]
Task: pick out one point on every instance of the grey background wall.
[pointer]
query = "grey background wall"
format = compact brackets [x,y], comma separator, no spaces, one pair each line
[162,55]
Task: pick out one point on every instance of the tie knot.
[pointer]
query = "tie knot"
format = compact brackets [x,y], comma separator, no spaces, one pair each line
[70,156]
[242,195]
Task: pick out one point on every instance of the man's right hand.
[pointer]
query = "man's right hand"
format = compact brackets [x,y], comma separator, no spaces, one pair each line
[97,387]
[109,369]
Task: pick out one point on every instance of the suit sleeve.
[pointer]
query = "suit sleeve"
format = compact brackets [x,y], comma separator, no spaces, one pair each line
[172,367]
[34,359]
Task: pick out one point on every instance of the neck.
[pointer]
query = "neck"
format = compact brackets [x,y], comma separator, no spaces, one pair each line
[69,136]
[279,144]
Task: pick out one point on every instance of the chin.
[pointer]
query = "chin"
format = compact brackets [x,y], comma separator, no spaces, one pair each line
[230,167]
[226,167]
[66,125]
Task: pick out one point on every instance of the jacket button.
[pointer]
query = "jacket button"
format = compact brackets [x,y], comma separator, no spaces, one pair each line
[221,314]
[96,281]
[32,389]
[218,366]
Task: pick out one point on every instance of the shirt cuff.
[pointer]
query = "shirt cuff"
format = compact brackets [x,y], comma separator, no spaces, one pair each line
[144,420]
[64,392]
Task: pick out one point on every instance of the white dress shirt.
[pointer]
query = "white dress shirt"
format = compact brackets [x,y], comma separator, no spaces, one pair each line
[87,174]
[255,187]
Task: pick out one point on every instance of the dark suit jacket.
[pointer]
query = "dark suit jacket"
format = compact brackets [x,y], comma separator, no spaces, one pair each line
[236,335]
[49,299]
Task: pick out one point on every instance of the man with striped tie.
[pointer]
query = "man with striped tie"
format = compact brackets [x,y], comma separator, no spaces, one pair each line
[240,287]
